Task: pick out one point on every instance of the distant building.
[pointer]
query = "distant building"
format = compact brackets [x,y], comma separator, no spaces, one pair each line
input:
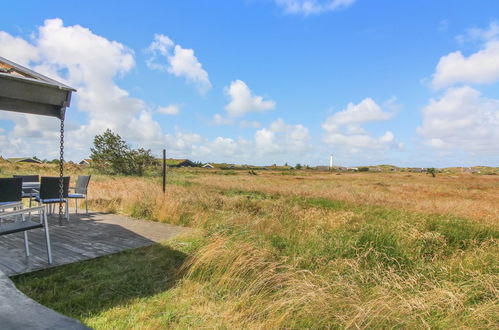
[353,169]
[85,161]
[208,165]
[180,163]
[24,160]
[471,170]
[417,169]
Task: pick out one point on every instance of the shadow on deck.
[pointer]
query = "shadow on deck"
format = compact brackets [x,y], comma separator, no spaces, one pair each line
[86,236]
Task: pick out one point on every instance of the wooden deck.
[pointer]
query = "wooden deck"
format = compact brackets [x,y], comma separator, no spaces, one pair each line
[84,237]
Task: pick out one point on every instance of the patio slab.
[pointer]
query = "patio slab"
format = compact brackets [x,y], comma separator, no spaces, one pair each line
[86,236]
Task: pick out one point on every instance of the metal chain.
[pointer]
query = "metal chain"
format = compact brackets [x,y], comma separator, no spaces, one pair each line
[61,166]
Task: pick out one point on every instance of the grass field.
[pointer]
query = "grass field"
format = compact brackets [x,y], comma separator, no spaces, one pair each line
[291,249]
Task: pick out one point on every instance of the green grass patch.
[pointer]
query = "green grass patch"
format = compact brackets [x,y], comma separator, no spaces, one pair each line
[84,290]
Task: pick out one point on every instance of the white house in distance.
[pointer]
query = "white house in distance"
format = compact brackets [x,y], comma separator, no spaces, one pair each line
[85,161]
[208,165]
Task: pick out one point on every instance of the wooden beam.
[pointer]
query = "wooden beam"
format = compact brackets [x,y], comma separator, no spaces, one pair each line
[30,107]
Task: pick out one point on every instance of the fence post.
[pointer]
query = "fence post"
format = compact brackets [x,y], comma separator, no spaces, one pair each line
[164,170]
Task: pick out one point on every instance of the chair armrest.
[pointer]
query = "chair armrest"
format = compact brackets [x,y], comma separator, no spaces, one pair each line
[10,206]
[22,211]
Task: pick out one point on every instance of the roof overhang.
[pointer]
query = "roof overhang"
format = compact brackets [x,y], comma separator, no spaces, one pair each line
[26,91]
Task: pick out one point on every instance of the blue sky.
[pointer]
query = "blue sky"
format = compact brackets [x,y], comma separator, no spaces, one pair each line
[410,83]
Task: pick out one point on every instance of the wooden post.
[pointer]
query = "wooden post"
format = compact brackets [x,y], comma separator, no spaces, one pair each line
[164,170]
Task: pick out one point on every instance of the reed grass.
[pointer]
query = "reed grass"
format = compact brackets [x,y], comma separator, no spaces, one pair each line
[311,250]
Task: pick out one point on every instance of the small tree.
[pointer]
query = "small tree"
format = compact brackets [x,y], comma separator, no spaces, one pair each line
[298,166]
[432,171]
[138,160]
[111,154]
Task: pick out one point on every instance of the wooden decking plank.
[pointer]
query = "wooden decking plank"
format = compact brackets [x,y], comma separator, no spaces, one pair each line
[84,237]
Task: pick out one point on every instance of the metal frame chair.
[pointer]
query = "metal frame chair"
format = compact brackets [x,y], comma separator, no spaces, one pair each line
[11,190]
[12,227]
[27,192]
[80,190]
[49,192]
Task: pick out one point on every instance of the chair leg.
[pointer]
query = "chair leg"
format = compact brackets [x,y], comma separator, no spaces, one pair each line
[26,243]
[67,211]
[86,203]
[76,203]
[43,217]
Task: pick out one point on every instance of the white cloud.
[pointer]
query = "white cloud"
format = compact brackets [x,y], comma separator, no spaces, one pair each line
[90,63]
[242,100]
[172,109]
[481,67]
[218,119]
[462,119]
[307,7]
[344,128]
[181,62]
[282,138]
[17,49]
[280,142]
[478,34]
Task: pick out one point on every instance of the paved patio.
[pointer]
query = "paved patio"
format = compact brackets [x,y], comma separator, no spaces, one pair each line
[86,236]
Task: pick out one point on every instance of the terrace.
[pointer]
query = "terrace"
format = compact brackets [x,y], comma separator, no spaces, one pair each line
[86,236]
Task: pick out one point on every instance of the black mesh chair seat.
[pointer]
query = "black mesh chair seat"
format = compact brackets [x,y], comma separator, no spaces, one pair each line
[11,190]
[28,192]
[49,191]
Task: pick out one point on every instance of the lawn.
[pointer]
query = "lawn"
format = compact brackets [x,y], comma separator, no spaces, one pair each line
[291,249]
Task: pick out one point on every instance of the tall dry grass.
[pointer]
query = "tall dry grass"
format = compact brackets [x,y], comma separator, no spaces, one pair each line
[465,195]
[277,257]
[280,251]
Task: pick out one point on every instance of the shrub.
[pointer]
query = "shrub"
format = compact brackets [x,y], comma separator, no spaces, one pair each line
[111,154]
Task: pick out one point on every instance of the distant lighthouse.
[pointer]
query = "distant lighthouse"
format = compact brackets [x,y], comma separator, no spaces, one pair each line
[331,162]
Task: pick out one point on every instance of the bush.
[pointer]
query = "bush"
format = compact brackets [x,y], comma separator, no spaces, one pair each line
[111,154]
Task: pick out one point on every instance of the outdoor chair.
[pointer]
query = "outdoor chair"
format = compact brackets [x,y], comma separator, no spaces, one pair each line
[13,225]
[11,190]
[80,190]
[49,192]
[27,192]
[28,178]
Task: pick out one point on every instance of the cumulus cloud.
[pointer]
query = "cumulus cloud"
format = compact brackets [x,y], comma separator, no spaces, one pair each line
[308,7]
[481,67]
[462,119]
[17,48]
[282,138]
[180,62]
[344,128]
[218,119]
[278,142]
[249,124]
[90,63]
[242,100]
[172,109]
